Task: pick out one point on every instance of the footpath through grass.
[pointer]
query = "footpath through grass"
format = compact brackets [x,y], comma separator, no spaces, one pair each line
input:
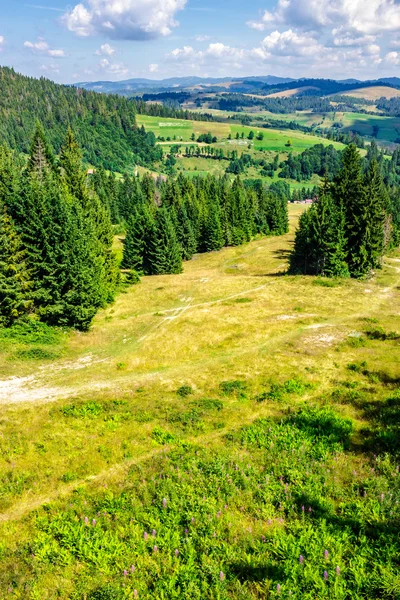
[228,433]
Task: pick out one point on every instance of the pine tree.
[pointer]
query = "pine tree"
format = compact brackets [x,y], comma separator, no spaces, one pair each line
[14,276]
[165,254]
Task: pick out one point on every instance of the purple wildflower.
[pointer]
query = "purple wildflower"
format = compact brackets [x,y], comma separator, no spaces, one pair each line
[186,531]
[221,576]
[164,502]
[132,568]
[278,588]
[135,594]
[86,521]
[155,549]
[125,573]
[94,522]
[337,570]
[176,552]
[326,575]
[154,533]
[302,508]
[145,535]
[301,559]
[326,554]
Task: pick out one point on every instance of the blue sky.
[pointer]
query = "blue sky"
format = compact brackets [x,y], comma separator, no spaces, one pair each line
[120,39]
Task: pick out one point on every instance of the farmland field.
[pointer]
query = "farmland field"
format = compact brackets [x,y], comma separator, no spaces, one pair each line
[231,432]
[274,140]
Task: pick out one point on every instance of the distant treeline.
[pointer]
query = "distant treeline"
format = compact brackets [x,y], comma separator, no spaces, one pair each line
[167,112]
[105,125]
[354,221]
[169,221]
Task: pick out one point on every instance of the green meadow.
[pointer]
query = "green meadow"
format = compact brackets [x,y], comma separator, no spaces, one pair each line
[228,433]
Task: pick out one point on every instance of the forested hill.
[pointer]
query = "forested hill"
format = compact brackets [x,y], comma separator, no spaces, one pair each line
[104,125]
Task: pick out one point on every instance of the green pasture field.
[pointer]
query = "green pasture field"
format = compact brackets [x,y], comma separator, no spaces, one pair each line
[274,140]
[229,433]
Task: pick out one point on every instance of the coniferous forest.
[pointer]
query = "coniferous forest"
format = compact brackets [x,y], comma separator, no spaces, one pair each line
[56,229]
[354,221]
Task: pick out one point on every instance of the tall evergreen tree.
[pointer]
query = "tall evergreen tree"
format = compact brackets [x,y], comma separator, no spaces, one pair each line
[136,245]
[14,276]
[165,252]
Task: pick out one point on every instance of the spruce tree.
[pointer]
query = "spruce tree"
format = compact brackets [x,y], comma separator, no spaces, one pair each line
[185,234]
[165,253]
[377,207]
[137,240]
[212,236]
[14,276]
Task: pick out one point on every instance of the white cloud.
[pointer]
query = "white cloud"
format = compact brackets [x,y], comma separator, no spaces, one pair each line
[113,68]
[51,69]
[105,50]
[42,47]
[2,42]
[393,58]
[124,19]
[362,16]
[290,43]
[153,68]
[216,51]
[202,38]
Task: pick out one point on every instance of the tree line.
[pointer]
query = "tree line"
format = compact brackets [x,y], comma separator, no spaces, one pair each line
[56,258]
[353,222]
[170,221]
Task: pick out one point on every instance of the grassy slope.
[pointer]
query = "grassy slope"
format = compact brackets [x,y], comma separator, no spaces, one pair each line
[104,408]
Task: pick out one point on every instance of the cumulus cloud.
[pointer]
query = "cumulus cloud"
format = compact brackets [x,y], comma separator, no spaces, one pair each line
[393,58]
[362,16]
[216,51]
[113,68]
[42,47]
[105,50]
[124,19]
[153,68]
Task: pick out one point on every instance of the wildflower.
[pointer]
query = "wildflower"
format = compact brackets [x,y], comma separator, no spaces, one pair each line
[86,521]
[125,573]
[154,533]
[132,568]
[192,519]
[94,522]
[176,552]
[221,576]
[164,502]
[309,509]
[302,508]
[301,559]
[186,531]
[145,535]
[135,594]
[337,570]
[326,554]
[218,514]
[382,497]
[155,549]
[278,588]
[326,575]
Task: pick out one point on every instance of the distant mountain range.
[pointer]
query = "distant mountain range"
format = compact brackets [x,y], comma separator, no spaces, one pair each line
[132,87]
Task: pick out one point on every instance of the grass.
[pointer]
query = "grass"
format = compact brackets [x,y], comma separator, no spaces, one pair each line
[231,432]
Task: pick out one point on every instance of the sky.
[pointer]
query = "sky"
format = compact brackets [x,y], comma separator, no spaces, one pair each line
[115,40]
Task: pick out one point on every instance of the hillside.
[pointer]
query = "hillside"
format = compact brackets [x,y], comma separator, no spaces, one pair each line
[373,92]
[105,125]
[227,431]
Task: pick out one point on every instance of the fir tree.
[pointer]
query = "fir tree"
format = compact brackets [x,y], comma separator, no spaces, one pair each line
[14,276]
[136,244]
[212,236]
[165,254]
[185,234]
